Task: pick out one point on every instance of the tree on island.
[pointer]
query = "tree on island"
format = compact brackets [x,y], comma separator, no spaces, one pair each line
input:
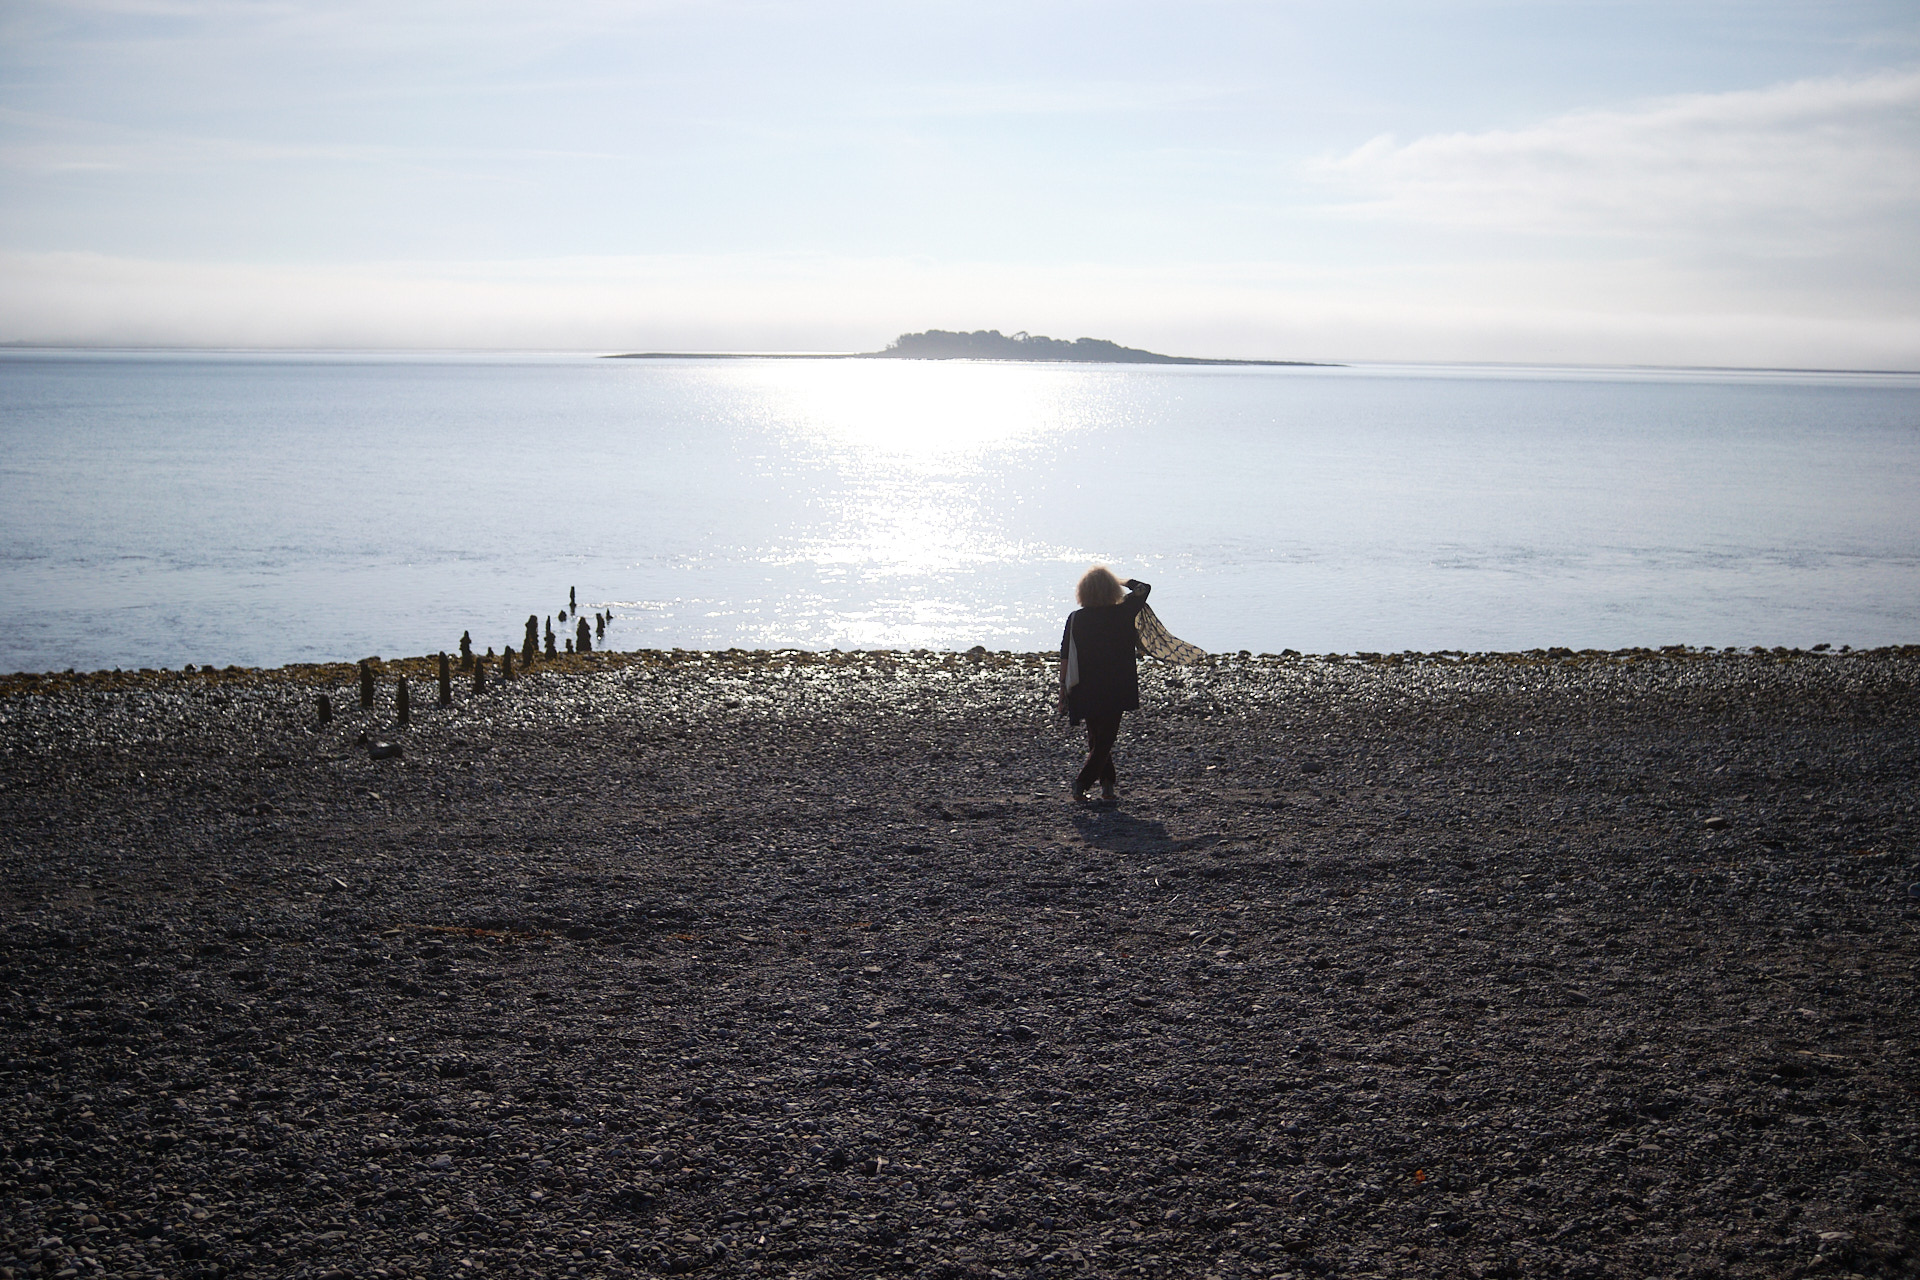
[991,344]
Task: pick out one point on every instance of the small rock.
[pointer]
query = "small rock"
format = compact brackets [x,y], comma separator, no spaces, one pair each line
[1715,823]
[383,750]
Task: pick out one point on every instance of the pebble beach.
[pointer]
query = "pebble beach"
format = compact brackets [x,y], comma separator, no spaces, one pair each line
[1560,963]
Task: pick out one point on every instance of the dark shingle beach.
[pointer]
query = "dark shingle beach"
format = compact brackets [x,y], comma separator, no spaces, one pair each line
[1518,965]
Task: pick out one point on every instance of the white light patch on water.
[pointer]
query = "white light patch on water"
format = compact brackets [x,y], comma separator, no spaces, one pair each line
[910,454]
[916,416]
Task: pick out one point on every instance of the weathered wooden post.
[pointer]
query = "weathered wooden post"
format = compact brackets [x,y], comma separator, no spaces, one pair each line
[366,686]
[506,664]
[552,650]
[599,626]
[479,676]
[466,650]
[446,680]
[325,707]
[583,638]
[573,601]
[403,704]
[530,646]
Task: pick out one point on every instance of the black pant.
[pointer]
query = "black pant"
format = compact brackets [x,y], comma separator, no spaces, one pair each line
[1101,731]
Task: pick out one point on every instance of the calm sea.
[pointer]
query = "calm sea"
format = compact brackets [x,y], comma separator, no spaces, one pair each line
[161,509]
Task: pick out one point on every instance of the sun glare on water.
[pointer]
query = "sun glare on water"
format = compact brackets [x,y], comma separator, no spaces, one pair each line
[933,414]
[914,451]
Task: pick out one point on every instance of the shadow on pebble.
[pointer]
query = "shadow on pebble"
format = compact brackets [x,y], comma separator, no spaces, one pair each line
[1118,832]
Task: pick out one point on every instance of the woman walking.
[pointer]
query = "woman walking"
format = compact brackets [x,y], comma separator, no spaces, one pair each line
[1098,679]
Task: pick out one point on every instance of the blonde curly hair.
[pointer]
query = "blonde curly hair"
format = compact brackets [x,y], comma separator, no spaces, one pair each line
[1098,586]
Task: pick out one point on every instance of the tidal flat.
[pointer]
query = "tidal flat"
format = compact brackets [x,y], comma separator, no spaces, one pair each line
[805,964]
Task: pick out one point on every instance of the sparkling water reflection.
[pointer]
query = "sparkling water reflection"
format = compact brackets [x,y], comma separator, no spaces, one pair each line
[160,509]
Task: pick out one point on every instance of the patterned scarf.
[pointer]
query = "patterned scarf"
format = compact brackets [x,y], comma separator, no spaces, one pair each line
[1155,640]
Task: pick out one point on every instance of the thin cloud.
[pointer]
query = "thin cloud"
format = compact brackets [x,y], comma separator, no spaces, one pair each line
[808,302]
[1808,167]
[59,143]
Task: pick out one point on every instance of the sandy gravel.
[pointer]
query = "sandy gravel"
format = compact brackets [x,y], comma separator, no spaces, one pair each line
[1430,965]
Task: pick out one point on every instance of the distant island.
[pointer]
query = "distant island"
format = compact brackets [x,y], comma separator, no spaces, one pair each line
[991,344]
[981,344]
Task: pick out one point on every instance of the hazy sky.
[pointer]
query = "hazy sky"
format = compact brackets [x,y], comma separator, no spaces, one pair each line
[1672,182]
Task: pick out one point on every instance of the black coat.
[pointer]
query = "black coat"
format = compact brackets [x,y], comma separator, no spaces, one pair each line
[1104,641]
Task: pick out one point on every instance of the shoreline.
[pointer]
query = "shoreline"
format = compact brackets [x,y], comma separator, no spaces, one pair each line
[803,964]
[424,668]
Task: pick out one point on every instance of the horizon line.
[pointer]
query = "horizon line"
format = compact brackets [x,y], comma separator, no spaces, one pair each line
[599,353]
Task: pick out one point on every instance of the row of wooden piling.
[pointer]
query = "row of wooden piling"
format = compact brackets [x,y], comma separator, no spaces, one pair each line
[581,642]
